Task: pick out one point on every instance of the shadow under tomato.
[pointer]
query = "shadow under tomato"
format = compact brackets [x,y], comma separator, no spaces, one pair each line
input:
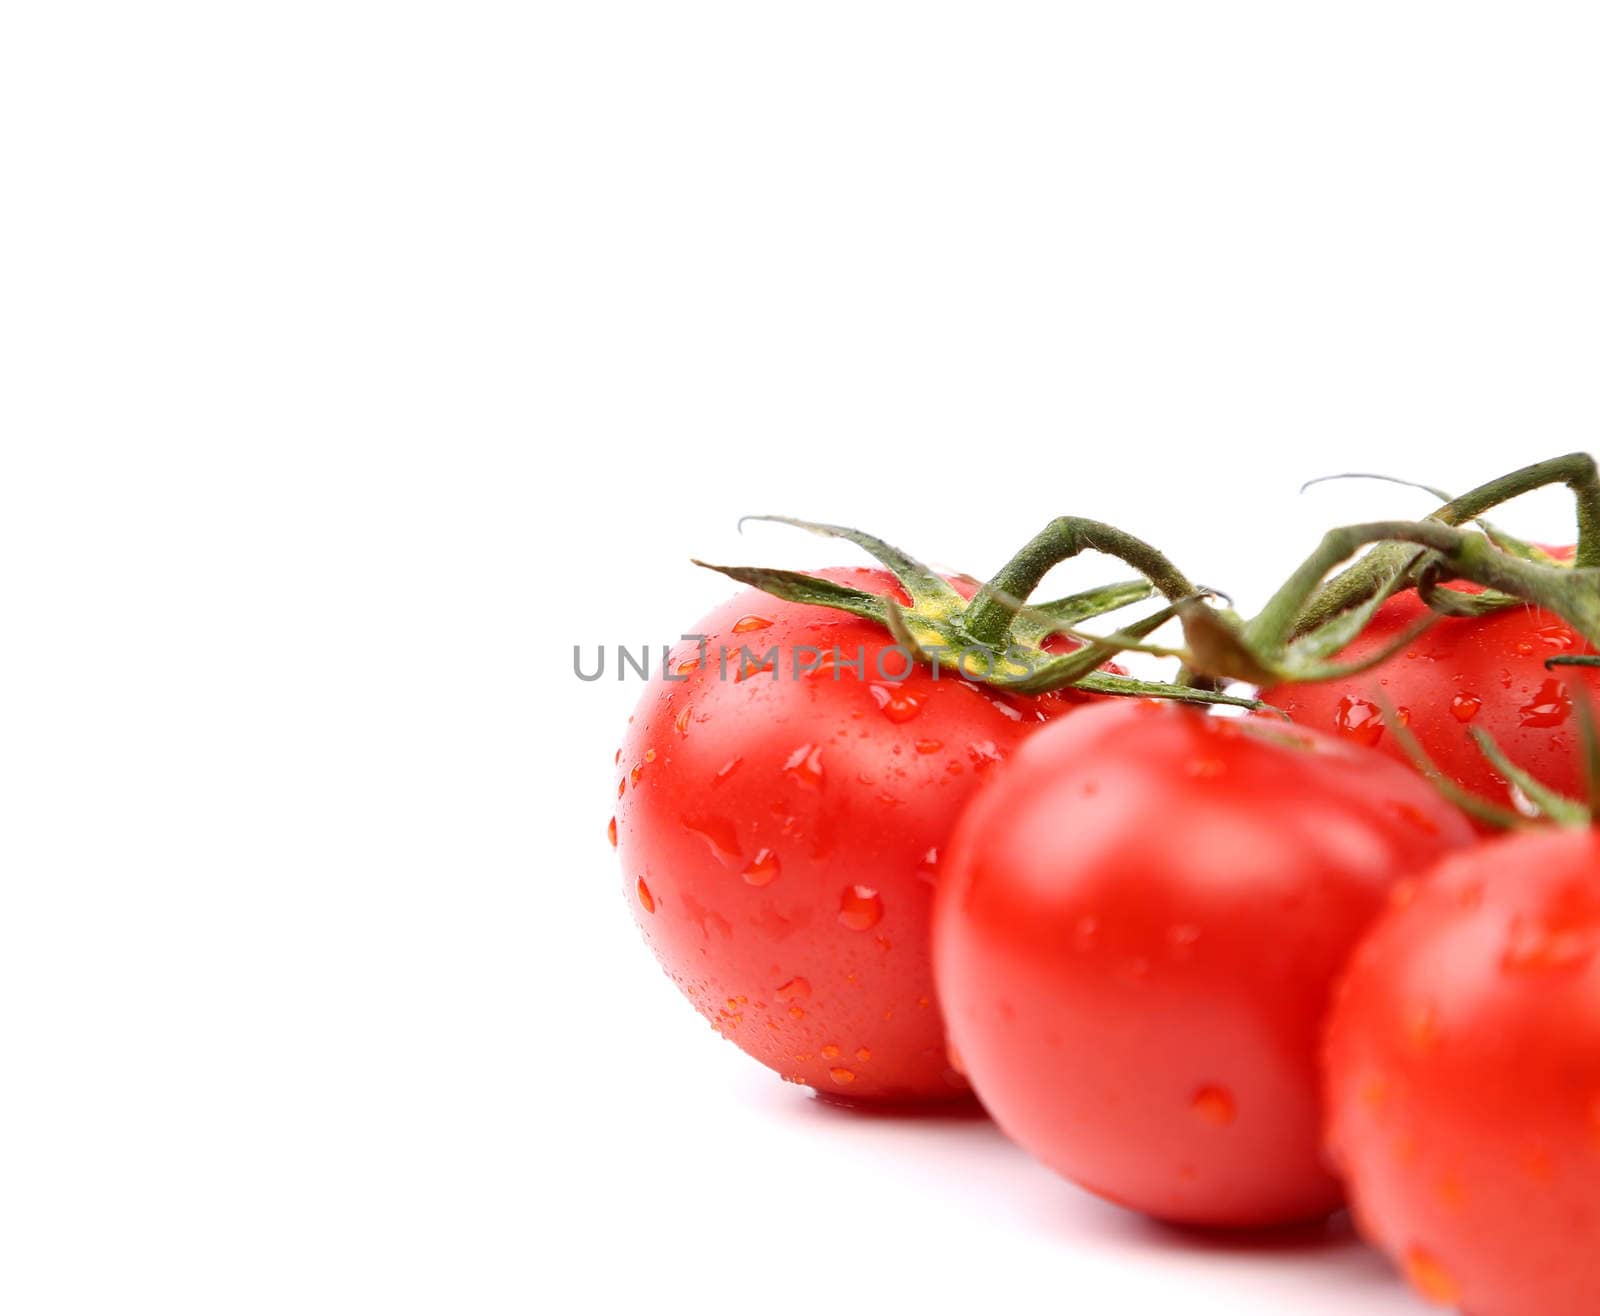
[960,1109]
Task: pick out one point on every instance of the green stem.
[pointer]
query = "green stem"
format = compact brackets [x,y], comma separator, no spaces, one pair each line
[1571,594]
[1386,567]
[988,616]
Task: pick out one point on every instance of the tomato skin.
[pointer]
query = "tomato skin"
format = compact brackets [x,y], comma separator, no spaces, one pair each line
[1135,936]
[1463,1078]
[1485,672]
[786,834]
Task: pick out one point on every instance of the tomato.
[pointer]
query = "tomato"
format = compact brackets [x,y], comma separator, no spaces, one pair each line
[1486,672]
[1463,1078]
[779,836]
[1135,936]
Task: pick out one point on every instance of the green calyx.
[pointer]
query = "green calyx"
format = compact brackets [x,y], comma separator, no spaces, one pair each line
[1316,614]
[997,638]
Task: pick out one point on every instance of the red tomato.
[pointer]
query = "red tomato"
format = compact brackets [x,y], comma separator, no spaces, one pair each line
[1463,1078]
[1485,672]
[1136,931]
[779,836]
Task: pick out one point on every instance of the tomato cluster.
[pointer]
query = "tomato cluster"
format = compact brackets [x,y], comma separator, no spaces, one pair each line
[1229,971]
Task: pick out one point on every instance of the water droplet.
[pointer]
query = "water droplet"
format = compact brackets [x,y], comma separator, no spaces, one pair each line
[829,1052]
[686,666]
[928,865]
[794,989]
[756,665]
[984,754]
[622,786]
[929,746]
[1359,719]
[1523,647]
[611,833]
[645,898]
[682,721]
[1534,946]
[726,770]
[860,908]
[649,756]
[719,834]
[863,1055]
[1181,940]
[1429,1277]
[1556,636]
[1465,707]
[805,765]
[1410,813]
[841,1075]
[1549,707]
[1215,1106]
[638,771]
[750,623]
[763,869]
[795,1012]
[895,703]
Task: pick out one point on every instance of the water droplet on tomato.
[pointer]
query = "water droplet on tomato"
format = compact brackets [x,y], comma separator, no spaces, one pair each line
[1549,707]
[1214,1106]
[645,898]
[638,771]
[829,1052]
[895,703]
[763,869]
[794,988]
[1359,719]
[1535,946]
[860,908]
[1464,707]
[611,833]
[929,746]
[863,1055]
[726,770]
[1181,940]
[719,834]
[1429,1277]
[750,623]
[1410,813]
[805,765]
[841,1075]
[682,721]
[984,754]
[1556,636]
[756,665]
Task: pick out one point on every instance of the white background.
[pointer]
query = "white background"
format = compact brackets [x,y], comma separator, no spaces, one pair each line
[358,360]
